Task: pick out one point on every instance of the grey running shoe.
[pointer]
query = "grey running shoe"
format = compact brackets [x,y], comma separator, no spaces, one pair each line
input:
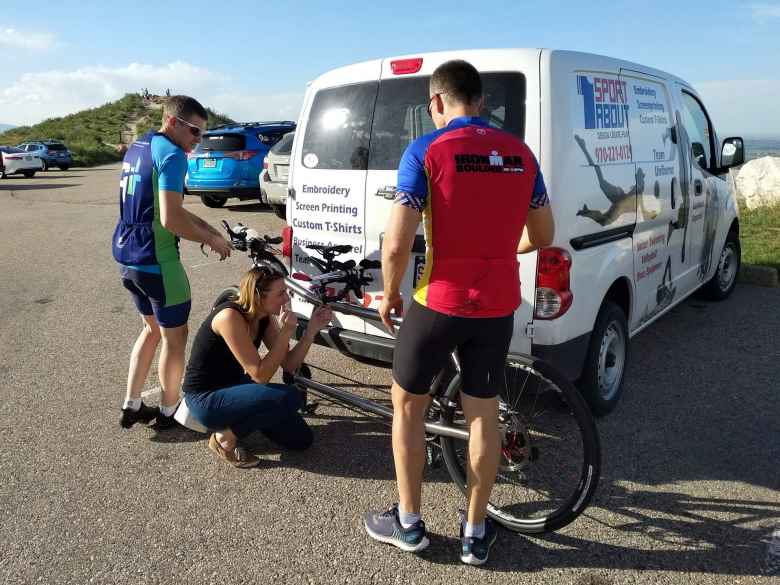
[474,551]
[386,527]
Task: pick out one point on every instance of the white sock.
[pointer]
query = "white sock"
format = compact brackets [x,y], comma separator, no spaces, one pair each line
[407,519]
[474,530]
[133,404]
[168,410]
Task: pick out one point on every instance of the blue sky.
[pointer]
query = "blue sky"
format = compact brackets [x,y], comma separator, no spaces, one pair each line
[252,60]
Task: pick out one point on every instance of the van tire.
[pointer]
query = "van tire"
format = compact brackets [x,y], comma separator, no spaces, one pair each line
[279,210]
[213,201]
[723,282]
[601,384]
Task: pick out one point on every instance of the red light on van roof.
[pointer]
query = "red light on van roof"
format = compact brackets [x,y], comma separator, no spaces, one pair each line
[406,66]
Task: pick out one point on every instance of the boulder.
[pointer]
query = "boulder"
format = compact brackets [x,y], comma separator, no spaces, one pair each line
[758,182]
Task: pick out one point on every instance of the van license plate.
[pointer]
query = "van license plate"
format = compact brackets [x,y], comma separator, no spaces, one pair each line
[209,163]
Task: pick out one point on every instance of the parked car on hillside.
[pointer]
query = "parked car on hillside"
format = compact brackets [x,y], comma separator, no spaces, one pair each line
[228,161]
[273,179]
[18,162]
[52,153]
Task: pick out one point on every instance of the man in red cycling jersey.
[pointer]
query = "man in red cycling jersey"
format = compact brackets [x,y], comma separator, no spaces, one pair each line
[482,198]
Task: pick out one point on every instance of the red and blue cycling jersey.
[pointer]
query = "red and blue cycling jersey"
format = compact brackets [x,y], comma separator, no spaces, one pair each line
[474,186]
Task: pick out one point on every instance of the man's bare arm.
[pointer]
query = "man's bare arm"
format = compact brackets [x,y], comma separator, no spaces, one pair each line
[397,247]
[539,230]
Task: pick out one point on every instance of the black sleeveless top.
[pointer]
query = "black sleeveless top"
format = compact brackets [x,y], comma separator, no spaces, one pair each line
[212,365]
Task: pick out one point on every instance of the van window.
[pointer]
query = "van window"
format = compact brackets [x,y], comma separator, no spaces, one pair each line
[337,133]
[227,141]
[401,113]
[698,127]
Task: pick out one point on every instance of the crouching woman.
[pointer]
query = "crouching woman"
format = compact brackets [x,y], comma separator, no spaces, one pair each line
[226,386]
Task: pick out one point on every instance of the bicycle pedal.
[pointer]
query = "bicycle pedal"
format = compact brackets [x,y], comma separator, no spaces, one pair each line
[433,456]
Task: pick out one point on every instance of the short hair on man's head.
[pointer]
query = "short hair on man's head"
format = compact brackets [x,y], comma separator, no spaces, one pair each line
[184,107]
[458,79]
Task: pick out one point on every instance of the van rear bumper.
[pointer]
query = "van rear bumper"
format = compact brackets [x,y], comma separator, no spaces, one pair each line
[568,357]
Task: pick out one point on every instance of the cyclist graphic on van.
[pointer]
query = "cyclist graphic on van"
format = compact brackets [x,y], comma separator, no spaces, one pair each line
[685,188]
[622,202]
[665,293]
[712,209]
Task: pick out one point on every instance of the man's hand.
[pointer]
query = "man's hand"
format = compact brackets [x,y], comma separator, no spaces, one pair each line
[219,245]
[394,304]
[288,322]
[319,319]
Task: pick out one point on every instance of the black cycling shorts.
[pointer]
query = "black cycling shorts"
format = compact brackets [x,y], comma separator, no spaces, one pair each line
[427,338]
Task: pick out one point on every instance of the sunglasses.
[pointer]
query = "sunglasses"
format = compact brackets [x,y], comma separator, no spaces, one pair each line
[194,129]
[266,273]
[430,102]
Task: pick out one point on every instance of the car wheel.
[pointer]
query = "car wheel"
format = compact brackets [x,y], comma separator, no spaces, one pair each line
[45,166]
[63,167]
[723,282]
[213,201]
[601,382]
[28,174]
[279,210]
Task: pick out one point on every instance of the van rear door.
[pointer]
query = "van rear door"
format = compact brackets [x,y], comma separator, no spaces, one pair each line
[326,205]
[401,116]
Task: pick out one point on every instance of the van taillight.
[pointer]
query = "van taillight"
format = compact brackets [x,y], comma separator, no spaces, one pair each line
[553,296]
[287,241]
[406,66]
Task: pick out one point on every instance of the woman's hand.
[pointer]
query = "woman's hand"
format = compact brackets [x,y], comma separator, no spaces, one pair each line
[319,319]
[288,322]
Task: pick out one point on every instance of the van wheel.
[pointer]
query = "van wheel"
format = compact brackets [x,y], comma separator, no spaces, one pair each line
[279,210]
[723,282]
[602,378]
[213,201]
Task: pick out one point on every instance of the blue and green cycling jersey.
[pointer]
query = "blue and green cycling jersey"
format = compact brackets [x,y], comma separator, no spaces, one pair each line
[152,164]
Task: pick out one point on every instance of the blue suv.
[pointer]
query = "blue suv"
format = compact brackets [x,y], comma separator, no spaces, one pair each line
[229,160]
[52,153]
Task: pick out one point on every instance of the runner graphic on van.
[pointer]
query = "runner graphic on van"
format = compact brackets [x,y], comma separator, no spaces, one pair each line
[622,202]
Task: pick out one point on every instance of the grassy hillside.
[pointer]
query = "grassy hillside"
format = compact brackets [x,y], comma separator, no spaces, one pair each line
[759,234]
[94,135]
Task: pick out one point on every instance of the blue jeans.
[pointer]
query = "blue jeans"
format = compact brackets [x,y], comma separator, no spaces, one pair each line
[271,409]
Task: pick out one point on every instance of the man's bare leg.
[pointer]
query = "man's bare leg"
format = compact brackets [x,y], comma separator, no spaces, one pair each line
[141,357]
[409,446]
[484,453]
[171,370]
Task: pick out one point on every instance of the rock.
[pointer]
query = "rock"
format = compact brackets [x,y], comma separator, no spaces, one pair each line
[758,182]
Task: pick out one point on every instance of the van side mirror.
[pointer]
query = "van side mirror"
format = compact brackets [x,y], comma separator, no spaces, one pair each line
[733,153]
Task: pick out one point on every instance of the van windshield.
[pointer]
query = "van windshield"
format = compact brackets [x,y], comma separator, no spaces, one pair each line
[395,111]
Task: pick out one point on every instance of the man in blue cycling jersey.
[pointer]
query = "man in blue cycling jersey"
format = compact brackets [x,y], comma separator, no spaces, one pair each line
[482,198]
[152,218]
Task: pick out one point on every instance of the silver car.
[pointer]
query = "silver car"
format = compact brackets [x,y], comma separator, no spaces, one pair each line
[273,178]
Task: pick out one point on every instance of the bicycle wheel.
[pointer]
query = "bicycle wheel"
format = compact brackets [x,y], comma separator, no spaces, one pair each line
[550,453]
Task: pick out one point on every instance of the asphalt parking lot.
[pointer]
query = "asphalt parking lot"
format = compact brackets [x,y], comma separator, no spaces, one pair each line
[688,493]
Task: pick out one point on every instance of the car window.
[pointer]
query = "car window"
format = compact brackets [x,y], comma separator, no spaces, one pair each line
[284,146]
[226,141]
[270,138]
[697,126]
[10,149]
[338,129]
[56,147]
[401,114]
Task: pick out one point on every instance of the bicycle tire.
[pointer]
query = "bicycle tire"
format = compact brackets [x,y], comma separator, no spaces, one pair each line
[526,445]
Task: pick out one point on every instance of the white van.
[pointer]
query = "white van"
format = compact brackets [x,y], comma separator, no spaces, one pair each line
[635,172]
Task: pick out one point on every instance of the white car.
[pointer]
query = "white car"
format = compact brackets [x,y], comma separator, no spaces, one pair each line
[636,174]
[273,178]
[18,162]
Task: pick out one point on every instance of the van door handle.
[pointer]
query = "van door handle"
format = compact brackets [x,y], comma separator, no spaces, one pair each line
[388,192]
[698,187]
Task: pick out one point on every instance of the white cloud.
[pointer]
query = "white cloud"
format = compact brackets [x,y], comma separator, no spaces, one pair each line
[36,96]
[764,12]
[10,38]
[742,107]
